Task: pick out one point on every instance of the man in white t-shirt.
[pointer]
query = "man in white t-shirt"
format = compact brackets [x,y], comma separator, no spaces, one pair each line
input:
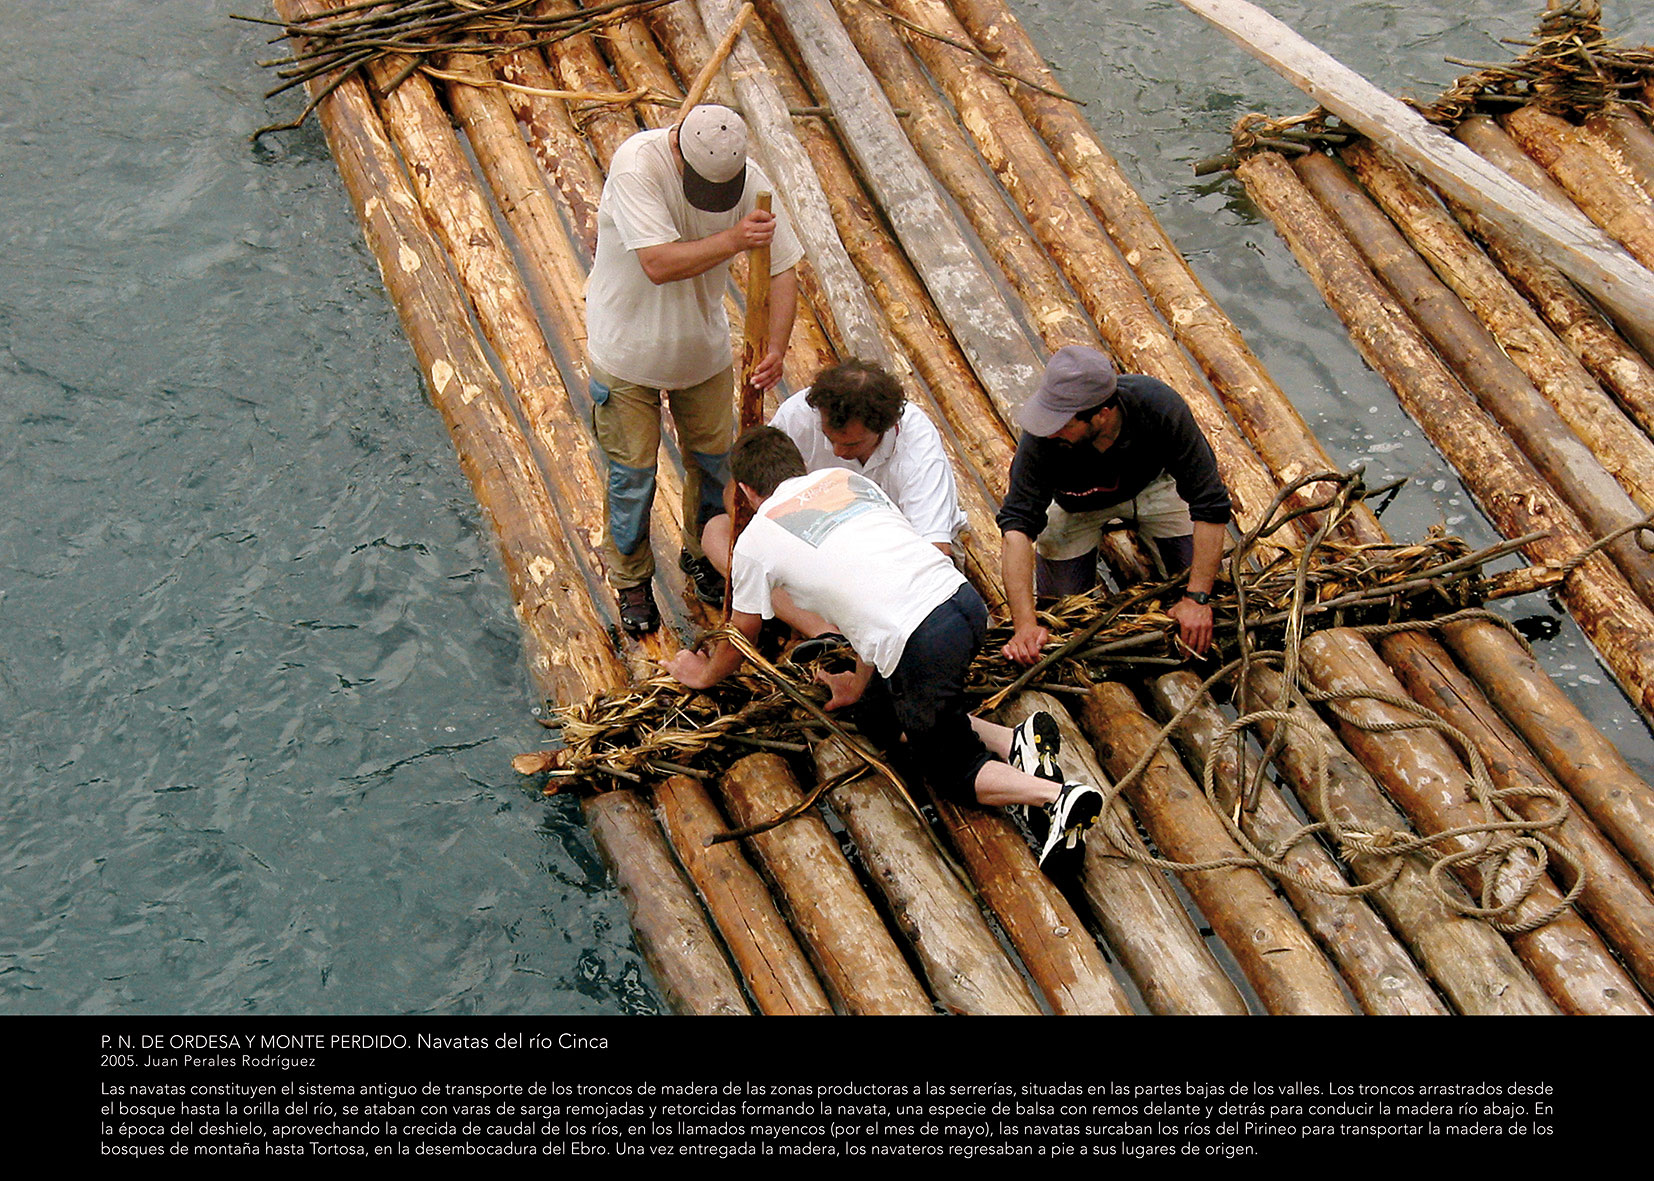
[679,203]
[835,544]
[855,416]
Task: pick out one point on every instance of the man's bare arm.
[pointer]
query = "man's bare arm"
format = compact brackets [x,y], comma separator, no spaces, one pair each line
[671,261]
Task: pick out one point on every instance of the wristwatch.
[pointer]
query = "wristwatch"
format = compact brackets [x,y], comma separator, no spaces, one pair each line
[1201,597]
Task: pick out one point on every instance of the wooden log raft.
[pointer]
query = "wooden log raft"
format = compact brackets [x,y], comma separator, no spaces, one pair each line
[1605,608]
[1279,959]
[1375,966]
[1474,967]
[855,956]
[1423,774]
[967,970]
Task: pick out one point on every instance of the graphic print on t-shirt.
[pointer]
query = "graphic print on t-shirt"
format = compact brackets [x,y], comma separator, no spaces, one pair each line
[839,496]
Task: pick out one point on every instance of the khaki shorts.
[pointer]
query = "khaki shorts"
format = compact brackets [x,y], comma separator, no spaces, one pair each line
[1156,512]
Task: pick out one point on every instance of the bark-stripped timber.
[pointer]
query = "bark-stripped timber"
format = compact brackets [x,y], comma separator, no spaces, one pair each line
[1565,237]
[1612,201]
[1051,308]
[1627,142]
[561,150]
[903,310]
[1581,758]
[1280,960]
[1506,486]
[563,638]
[1615,898]
[1562,459]
[981,319]
[967,969]
[693,976]
[854,954]
[1048,936]
[1617,364]
[776,971]
[1618,444]
[1138,912]
[1083,252]
[1374,965]
[1251,396]
[580,66]
[1469,961]
[1425,776]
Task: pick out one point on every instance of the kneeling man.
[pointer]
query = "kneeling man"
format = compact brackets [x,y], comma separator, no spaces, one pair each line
[834,543]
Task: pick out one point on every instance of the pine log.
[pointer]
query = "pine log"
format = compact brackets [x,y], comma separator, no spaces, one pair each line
[1564,462]
[1617,901]
[1424,776]
[1135,907]
[1607,611]
[1623,449]
[967,969]
[1051,308]
[776,971]
[1060,956]
[1585,762]
[980,317]
[1626,141]
[561,150]
[580,65]
[1566,238]
[1375,966]
[1612,201]
[1278,957]
[675,938]
[853,952]
[1474,967]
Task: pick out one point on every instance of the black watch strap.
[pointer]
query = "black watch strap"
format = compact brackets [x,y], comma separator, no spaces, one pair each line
[1201,597]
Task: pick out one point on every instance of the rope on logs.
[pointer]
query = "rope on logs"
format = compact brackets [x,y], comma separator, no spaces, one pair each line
[660,727]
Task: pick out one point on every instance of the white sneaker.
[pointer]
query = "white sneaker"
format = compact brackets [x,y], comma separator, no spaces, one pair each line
[1074,810]
[1035,745]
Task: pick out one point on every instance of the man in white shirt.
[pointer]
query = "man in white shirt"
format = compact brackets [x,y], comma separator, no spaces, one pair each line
[679,203]
[838,546]
[855,416]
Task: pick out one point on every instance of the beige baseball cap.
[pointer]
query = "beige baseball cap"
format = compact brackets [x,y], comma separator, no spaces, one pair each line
[713,142]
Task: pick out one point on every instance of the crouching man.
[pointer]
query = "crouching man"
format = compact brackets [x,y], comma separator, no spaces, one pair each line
[837,546]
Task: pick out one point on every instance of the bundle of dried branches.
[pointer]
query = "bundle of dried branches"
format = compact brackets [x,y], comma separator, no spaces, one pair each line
[342,42]
[1571,68]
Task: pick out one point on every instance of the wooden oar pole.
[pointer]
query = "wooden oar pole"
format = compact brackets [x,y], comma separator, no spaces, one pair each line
[755,337]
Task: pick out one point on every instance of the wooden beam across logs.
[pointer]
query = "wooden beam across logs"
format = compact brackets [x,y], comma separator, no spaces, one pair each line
[566,646]
[1374,964]
[1566,238]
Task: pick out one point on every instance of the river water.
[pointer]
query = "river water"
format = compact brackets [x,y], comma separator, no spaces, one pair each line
[259,675]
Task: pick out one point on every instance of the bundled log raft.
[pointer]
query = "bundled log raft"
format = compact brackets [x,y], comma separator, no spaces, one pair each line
[961,219]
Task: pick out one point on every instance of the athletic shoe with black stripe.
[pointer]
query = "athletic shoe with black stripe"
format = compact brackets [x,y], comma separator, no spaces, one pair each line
[1035,745]
[1075,809]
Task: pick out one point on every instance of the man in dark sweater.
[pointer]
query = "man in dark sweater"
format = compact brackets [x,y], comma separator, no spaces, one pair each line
[1099,448]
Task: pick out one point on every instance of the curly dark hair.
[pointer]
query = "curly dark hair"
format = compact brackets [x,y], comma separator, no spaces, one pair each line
[857,391]
[763,457]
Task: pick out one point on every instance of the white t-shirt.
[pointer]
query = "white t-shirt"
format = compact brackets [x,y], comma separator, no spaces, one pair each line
[835,543]
[669,335]
[909,464]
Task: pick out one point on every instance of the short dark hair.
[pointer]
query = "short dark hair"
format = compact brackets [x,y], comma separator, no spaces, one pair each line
[763,457]
[857,391]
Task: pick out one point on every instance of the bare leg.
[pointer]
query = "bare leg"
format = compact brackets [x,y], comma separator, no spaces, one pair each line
[1002,785]
[995,737]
